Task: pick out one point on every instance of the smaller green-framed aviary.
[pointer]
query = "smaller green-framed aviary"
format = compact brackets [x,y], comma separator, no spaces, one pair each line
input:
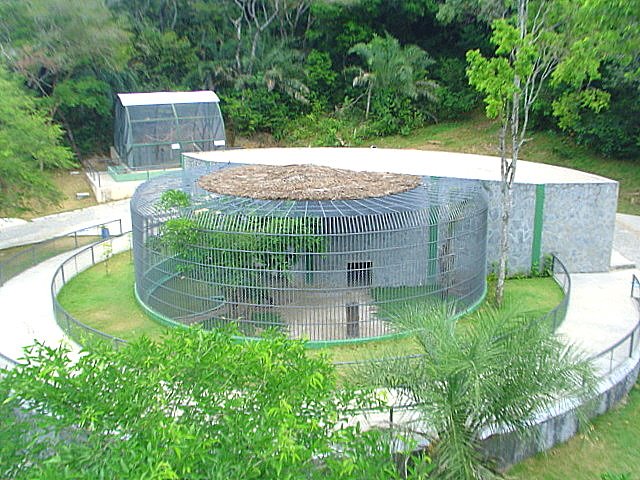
[152,130]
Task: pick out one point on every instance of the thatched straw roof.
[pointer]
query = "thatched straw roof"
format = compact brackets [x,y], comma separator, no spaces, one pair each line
[304,182]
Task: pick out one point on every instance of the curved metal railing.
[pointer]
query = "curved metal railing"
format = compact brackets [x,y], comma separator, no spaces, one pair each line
[88,257]
[80,261]
[38,252]
[608,359]
[624,348]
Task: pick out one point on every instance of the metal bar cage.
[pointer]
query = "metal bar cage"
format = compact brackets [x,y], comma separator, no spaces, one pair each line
[328,271]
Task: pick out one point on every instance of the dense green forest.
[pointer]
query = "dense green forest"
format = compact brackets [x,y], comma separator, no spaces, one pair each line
[321,71]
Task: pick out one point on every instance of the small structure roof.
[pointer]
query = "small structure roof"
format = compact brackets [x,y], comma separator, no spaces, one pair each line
[167,98]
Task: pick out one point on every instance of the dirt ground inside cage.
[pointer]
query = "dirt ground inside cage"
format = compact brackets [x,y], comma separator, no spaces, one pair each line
[325,316]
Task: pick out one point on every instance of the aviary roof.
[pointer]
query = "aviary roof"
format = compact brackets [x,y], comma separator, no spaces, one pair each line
[167,98]
[305,182]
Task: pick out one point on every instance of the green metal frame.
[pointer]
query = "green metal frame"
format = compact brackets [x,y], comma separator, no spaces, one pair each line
[538,226]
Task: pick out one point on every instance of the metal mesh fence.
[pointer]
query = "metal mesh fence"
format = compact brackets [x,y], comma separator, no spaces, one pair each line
[14,261]
[82,260]
[328,271]
[144,134]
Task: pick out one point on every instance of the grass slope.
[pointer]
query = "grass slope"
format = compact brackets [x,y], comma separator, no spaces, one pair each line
[68,185]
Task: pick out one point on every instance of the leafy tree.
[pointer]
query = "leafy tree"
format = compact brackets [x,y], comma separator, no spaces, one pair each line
[614,131]
[51,42]
[195,405]
[393,68]
[501,369]
[29,144]
[534,44]
[162,60]
[320,78]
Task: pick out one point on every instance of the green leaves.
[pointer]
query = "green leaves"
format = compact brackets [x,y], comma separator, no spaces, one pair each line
[500,369]
[393,69]
[196,405]
[29,142]
[494,78]
[174,199]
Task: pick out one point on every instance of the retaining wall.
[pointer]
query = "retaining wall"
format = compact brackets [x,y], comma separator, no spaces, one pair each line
[562,422]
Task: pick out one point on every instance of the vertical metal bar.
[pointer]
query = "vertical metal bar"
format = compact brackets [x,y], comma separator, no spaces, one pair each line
[610,360]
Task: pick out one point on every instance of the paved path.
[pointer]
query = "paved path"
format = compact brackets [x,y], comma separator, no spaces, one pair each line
[601,310]
[26,310]
[51,226]
[626,237]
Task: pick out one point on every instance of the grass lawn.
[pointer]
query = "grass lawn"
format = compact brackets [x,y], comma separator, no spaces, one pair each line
[610,445]
[536,296]
[477,134]
[105,301]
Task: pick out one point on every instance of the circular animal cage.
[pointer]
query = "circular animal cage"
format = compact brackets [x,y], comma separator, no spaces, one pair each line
[332,270]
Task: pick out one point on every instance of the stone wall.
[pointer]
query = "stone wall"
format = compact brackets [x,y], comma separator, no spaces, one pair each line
[576,223]
[579,221]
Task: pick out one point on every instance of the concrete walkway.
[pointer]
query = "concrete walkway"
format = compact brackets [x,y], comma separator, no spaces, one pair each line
[600,309]
[52,226]
[26,309]
[626,237]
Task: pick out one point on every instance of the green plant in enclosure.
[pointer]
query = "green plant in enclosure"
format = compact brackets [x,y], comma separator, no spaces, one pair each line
[500,369]
[248,255]
[174,199]
[195,405]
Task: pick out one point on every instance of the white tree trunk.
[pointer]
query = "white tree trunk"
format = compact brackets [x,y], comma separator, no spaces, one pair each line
[505,193]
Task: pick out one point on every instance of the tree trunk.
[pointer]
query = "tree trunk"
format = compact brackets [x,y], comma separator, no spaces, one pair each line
[506,213]
[72,140]
[366,113]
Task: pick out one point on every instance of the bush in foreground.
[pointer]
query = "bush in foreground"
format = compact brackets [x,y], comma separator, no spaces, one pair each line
[196,405]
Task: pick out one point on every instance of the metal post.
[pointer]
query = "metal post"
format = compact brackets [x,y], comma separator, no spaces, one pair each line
[611,362]
[631,344]
[353,320]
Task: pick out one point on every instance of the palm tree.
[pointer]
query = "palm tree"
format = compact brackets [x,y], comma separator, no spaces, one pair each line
[280,68]
[393,67]
[499,369]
